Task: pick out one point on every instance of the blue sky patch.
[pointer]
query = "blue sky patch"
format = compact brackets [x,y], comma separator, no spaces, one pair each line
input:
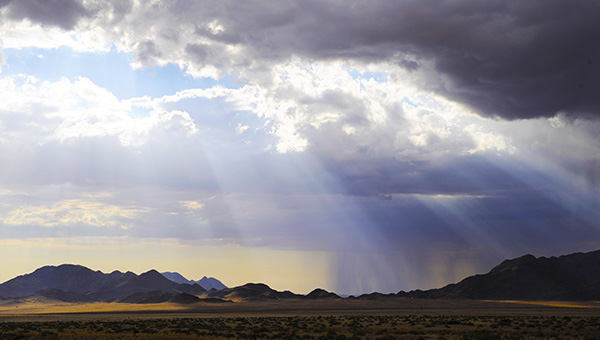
[110,70]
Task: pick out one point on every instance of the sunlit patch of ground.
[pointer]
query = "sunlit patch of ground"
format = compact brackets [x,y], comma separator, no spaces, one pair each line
[44,306]
[380,319]
[39,307]
[562,304]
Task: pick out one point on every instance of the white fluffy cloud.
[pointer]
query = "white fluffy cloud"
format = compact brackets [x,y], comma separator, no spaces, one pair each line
[378,127]
[458,41]
[360,101]
[68,109]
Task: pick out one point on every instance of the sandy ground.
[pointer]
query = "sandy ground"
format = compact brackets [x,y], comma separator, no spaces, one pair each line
[43,309]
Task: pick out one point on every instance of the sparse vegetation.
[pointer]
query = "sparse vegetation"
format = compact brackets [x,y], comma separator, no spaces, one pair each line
[339,327]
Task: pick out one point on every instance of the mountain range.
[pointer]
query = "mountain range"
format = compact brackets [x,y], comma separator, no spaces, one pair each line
[568,277]
[207,283]
[77,283]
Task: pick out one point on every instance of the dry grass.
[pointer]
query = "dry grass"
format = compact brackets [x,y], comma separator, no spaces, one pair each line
[410,319]
[338,327]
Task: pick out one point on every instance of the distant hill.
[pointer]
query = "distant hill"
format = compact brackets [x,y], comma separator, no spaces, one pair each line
[75,283]
[568,277]
[66,277]
[69,282]
[160,296]
[321,294]
[252,291]
[260,291]
[207,283]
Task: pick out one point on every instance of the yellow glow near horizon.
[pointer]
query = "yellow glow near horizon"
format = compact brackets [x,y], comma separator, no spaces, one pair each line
[298,271]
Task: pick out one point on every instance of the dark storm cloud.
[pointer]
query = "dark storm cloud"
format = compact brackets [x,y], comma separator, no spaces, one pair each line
[469,175]
[378,177]
[146,52]
[511,60]
[61,13]
[507,59]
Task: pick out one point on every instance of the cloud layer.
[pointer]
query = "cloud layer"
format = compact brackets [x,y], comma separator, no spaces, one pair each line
[412,133]
[501,59]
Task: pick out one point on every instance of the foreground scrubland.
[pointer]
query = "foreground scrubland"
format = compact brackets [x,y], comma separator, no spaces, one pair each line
[332,327]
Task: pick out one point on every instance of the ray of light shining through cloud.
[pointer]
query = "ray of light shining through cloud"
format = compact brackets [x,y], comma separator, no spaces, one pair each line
[368,147]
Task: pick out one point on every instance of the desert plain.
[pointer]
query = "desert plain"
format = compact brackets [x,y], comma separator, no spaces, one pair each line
[381,318]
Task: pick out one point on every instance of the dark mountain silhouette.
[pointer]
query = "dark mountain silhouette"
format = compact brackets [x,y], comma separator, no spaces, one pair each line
[568,277]
[252,291]
[77,283]
[207,283]
[184,298]
[159,297]
[374,296]
[155,296]
[176,277]
[149,281]
[66,277]
[321,294]
[57,294]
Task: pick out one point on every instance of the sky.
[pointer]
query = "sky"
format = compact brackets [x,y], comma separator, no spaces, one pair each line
[355,146]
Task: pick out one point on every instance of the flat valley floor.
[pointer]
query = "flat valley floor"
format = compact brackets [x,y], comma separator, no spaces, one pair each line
[301,319]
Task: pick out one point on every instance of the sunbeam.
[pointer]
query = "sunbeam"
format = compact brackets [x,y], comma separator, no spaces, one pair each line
[373,147]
